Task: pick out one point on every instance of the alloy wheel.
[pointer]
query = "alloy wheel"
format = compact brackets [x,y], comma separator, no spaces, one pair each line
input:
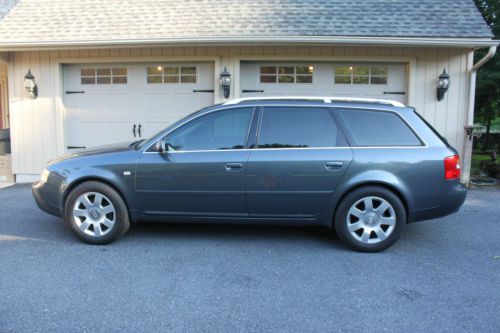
[94,214]
[371,220]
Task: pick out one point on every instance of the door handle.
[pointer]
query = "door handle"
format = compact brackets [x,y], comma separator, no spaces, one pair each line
[234,167]
[133,130]
[334,165]
[139,130]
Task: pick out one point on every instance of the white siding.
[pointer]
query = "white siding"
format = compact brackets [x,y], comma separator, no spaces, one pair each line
[36,125]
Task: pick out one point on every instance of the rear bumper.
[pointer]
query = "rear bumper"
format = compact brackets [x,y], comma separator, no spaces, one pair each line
[453,198]
[44,196]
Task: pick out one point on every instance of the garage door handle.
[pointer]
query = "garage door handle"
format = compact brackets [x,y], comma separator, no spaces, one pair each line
[133,130]
[334,165]
[75,92]
[139,130]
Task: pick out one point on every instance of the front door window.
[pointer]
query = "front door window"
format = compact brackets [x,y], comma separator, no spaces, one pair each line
[221,130]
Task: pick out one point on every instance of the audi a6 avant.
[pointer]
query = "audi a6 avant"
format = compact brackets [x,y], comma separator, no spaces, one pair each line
[363,167]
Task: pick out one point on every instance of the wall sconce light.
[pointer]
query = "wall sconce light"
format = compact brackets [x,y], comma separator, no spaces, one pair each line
[443,85]
[225,82]
[30,85]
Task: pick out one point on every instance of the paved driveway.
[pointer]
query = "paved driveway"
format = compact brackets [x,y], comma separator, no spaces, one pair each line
[442,276]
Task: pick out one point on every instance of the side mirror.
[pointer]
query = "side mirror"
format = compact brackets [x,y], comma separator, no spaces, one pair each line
[160,146]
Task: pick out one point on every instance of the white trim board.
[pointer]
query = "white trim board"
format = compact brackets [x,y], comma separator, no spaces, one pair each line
[27,178]
[200,41]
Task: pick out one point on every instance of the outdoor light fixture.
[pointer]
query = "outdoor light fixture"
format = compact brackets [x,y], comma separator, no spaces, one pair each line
[225,82]
[30,85]
[443,85]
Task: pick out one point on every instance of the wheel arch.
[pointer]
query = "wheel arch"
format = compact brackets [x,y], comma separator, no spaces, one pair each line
[102,180]
[385,185]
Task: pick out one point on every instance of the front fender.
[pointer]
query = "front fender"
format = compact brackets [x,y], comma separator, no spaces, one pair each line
[69,174]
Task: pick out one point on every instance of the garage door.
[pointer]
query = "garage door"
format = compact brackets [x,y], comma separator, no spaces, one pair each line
[371,80]
[111,103]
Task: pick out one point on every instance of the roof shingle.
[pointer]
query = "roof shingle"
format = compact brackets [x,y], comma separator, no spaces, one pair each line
[94,20]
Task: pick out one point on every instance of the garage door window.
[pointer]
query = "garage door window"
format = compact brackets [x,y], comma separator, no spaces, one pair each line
[104,75]
[286,74]
[361,74]
[171,74]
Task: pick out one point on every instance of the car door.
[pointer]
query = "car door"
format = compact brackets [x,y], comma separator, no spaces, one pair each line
[300,157]
[202,173]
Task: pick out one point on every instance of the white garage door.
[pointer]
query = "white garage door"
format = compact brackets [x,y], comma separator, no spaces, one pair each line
[111,103]
[372,80]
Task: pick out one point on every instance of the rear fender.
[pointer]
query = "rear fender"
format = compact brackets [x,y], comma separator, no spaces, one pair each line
[366,178]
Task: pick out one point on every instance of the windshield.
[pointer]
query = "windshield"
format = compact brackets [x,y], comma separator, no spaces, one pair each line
[145,141]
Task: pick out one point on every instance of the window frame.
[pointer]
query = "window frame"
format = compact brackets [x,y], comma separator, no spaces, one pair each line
[352,141]
[327,109]
[111,76]
[247,135]
[163,75]
[295,75]
[369,76]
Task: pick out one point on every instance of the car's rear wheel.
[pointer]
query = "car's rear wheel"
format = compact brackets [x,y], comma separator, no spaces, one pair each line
[370,219]
[96,213]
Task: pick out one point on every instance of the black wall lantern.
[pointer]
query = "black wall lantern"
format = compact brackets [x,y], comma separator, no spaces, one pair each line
[443,85]
[225,82]
[30,85]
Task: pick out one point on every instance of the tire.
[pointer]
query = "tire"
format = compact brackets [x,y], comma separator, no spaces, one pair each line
[96,213]
[369,227]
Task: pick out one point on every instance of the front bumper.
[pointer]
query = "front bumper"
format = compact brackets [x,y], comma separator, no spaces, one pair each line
[453,198]
[46,197]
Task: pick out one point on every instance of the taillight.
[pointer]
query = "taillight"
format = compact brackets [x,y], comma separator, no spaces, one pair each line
[452,167]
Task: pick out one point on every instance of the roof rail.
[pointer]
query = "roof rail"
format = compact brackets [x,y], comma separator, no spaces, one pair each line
[316,98]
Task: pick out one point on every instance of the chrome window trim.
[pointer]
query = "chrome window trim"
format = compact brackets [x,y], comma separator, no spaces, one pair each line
[292,148]
[234,106]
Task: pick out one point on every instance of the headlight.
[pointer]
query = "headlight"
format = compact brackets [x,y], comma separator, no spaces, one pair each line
[44,176]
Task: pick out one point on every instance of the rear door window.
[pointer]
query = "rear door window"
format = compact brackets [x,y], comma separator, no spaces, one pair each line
[298,127]
[376,128]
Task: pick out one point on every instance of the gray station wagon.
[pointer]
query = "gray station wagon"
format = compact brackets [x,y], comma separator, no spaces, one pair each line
[363,167]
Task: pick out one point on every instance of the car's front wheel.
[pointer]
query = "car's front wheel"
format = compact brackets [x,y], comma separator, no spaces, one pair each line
[96,213]
[370,219]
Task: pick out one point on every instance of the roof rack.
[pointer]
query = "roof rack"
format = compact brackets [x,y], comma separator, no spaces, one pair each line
[316,98]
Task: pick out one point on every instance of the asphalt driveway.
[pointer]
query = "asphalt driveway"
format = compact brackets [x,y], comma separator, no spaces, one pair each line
[442,276]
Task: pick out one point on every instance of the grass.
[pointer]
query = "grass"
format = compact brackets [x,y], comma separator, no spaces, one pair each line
[476,159]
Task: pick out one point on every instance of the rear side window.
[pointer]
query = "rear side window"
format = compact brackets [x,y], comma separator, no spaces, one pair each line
[298,127]
[377,128]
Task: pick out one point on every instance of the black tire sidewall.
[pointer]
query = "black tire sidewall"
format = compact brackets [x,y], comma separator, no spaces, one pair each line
[121,221]
[340,224]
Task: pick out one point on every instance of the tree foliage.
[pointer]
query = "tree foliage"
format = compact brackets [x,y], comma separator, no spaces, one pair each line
[487,106]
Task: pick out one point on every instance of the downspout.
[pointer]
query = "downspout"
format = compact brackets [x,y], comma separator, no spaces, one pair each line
[467,152]
[472,86]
